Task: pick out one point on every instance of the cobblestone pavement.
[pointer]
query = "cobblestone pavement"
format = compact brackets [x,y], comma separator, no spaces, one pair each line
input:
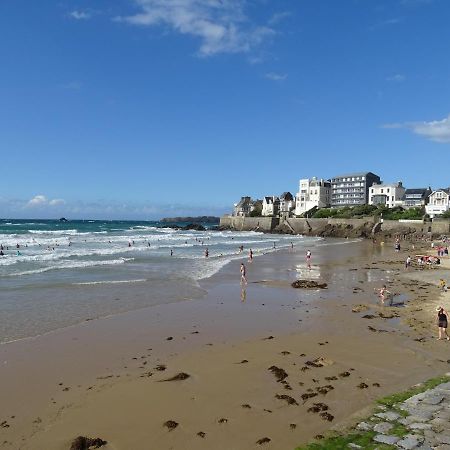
[422,421]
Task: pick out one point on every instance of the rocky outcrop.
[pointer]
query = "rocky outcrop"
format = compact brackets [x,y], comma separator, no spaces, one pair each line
[308,284]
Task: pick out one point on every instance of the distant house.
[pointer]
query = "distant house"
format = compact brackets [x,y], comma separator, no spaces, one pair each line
[287,204]
[312,193]
[243,208]
[270,206]
[438,203]
[352,189]
[416,198]
[389,195]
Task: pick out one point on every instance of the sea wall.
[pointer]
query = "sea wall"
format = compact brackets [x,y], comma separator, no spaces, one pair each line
[332,226]
[264,224]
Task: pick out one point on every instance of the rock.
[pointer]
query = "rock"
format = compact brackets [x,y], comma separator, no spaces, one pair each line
[433,399]
[390,416]
[354,446]
[308,284]
[383,439]
[359,308]
[410,442]
[194,226]
[178,377]
[364,426]
[85,443]
[383,427]
[420,426]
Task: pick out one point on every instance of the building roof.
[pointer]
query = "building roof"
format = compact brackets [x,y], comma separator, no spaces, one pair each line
[398,184]
[446,190]
[416,191]
[286,196]
[356,174]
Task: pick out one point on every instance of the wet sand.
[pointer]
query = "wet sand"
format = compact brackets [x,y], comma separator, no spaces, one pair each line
[105,378]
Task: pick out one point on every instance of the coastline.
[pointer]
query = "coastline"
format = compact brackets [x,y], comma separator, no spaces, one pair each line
[109,374]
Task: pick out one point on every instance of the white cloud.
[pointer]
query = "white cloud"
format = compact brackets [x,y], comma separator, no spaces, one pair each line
[80,15]
[221,25]
[42,200]
[38,200]
[398,78]
[436,130]
[276,76]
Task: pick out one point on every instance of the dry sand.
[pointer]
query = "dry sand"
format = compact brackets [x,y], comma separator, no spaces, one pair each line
[105,378]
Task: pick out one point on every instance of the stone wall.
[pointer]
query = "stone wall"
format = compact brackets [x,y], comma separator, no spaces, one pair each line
[264,224]
[312,226]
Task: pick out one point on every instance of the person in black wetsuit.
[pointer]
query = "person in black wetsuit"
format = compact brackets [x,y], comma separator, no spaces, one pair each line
[442,323]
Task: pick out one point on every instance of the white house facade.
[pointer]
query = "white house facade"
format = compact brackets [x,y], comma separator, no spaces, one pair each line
[389,195]
[438,202]
[287,203]
[312,193]
[270,206]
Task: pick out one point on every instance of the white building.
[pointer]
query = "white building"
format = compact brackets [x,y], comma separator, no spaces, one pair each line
[312,193]
[287,203]
[438,202]
[389,195]
[270,206]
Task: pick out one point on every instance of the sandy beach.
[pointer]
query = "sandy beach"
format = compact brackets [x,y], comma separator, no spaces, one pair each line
[267,366]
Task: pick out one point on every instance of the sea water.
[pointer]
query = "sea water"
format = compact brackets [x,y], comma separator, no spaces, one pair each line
[55,274]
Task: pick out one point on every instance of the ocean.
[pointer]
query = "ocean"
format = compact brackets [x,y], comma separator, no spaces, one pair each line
[55,274]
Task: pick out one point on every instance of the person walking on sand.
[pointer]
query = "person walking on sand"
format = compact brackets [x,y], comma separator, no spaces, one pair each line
[250,255]
[243,274]
[442,323]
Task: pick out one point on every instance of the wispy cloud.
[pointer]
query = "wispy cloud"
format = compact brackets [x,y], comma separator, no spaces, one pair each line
[276,76]
[398,78]
[72,85]
[221,25]
[279,17]
[436,130]
[80,15]
[386,23]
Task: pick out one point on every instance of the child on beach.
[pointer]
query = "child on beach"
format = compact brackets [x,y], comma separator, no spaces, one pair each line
[442,285]
[442,323]
[383,293]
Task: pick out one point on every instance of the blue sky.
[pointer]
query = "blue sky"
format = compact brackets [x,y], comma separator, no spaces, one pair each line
[146,108]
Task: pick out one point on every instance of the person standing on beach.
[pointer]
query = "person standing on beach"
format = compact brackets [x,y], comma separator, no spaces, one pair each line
[408,262]
[308,258]
[442,323]
[206,253]
[250,255]
[243,274]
